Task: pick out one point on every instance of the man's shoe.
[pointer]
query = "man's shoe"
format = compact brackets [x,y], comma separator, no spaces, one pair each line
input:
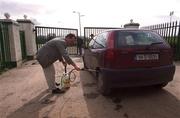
[57,91]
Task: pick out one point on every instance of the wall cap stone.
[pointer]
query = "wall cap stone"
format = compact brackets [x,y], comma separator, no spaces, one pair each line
[9,21]
[24,21]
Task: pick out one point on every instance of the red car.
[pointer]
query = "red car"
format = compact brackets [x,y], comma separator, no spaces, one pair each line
[129,57]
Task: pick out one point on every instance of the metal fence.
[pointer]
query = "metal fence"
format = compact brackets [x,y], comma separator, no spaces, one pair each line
[5,56]
[171,33]
[44,33]
[89,32]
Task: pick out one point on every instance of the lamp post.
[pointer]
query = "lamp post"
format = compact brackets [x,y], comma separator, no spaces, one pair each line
[79,16]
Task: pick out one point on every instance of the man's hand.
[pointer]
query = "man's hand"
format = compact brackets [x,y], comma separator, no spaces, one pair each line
[77,68]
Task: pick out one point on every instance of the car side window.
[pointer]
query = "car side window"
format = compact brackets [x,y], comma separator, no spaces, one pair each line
[91,43]
[104,39]
[100,41]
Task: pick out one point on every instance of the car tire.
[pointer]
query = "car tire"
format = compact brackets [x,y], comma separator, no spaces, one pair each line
[161,85]
[85,67]
[103,86]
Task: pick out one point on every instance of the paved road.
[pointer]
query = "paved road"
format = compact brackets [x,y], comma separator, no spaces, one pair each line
[23,94]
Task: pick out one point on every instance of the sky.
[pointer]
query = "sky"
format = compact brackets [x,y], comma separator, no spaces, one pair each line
[97,13]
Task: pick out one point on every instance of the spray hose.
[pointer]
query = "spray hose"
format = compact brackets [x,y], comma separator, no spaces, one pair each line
[71,74]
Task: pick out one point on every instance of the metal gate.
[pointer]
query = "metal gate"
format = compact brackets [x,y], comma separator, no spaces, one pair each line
[5,56]
[43,34]
[171,33]
[90,32]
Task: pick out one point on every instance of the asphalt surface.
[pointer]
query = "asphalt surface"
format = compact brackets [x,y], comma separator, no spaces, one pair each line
[23,94]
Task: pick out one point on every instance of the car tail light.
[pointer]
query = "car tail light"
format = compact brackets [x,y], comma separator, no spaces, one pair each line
[109,55]
[167,56]
[119,58]
[110,41]
[110,58]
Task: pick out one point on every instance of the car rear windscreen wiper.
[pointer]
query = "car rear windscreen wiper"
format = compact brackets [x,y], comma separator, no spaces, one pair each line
[154,43]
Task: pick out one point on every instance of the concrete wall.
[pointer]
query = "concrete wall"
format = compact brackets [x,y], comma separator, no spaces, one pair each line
[132,25]
[14,29]
[14,39]
[27,26]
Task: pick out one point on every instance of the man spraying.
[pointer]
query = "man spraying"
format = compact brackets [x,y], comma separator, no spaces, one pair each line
[53,50]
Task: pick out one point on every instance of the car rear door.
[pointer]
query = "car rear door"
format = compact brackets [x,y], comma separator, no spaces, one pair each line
[99,47]
[87,56]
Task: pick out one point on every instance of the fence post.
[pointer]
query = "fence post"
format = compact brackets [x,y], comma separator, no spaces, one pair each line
[178,43]
[14,46]
[171,33]
[28,27]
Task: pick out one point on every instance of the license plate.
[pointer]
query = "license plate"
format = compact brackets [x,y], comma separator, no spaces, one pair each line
[141,57]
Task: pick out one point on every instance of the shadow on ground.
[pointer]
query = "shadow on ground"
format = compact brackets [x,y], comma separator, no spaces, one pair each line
[34,106]
[144,102]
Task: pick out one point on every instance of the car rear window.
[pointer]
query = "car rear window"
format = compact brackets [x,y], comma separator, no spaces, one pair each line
[130,38]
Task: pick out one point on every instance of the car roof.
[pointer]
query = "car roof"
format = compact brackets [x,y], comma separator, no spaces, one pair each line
[125,29]
[128,29]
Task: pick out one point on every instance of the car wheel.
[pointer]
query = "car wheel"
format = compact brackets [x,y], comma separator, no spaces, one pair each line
[161,85]
[103,86]
[85,67]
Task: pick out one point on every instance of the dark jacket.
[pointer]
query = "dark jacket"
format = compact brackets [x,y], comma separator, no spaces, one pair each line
[79,42]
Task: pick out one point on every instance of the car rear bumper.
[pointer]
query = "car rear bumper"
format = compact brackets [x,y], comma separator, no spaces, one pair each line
[138,77]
